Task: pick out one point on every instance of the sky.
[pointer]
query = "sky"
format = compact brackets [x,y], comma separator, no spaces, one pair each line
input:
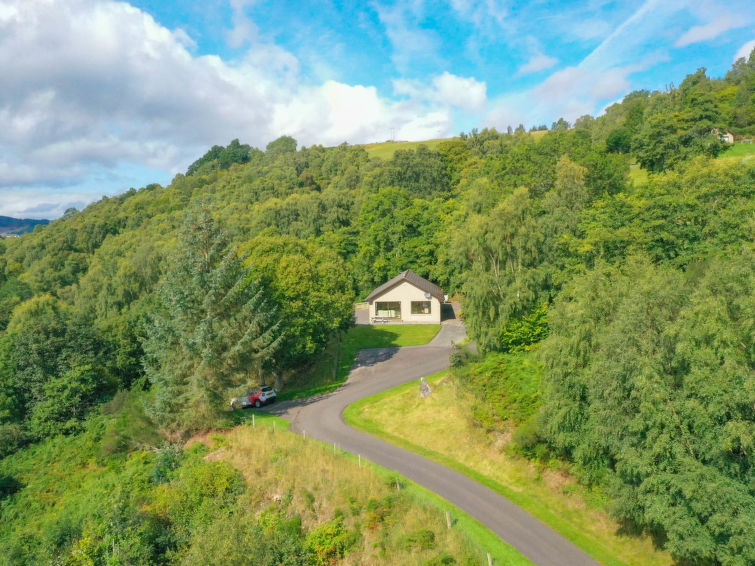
[98,96]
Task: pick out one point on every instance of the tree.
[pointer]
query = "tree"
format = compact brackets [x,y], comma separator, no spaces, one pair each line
[311,284]
[503,278]
[216,328]
[560,124]
[284,144]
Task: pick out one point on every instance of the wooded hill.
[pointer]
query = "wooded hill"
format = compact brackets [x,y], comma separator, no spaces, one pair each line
[637,296]
[10,225]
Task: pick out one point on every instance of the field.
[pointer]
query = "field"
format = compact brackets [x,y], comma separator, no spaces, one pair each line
[439,428]
[385,150]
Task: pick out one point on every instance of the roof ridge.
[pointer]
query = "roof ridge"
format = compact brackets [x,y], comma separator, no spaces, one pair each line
[413,279]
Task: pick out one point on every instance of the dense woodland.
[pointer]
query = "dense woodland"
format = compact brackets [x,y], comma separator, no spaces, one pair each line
[615,254]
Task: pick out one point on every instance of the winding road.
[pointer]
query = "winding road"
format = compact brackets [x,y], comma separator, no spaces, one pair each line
[380,369]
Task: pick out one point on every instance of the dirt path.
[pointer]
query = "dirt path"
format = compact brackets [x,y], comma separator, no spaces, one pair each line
[380,369]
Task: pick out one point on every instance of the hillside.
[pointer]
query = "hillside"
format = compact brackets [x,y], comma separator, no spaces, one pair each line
[10,225]
[634,292]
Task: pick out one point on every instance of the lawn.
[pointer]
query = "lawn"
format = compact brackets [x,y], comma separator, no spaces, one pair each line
[333,366]
[739,151]
[439,428]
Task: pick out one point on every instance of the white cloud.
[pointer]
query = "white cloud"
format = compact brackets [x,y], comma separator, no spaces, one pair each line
[745,50]
[538,62]
[91,85]
[445,90]
[411,43]
[482,12]
[711,30]
[602,75]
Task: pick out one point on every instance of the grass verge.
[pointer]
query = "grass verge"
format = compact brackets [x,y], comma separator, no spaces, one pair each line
[438,428]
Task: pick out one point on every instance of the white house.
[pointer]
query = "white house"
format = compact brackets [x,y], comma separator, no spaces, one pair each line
[724,135]
[406,298]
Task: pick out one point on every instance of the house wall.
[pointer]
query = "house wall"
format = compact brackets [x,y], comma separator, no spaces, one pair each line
[405,293]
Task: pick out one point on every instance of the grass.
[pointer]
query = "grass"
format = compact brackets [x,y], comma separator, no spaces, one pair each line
[439,428]
[739,151]
[337,482]
[638,175]
[67,504]
[385,150]
[332,368]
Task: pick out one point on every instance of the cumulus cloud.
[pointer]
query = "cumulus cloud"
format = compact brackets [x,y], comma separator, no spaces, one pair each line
[445,89]
[710,30]
[745,50]
[91,84]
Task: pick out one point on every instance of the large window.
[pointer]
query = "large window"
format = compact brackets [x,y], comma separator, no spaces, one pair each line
[388,309]
[420,307]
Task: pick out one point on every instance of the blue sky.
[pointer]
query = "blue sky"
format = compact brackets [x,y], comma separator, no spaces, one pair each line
[100,96]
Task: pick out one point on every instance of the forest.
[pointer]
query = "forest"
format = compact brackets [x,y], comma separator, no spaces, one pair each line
[617,252]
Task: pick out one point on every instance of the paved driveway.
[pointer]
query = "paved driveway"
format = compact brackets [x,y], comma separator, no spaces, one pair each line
[380,369]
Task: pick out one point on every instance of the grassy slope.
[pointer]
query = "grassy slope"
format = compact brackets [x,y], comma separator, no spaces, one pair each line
[385,150]
[340,481]
[439,428]
[320,377]
[63,485]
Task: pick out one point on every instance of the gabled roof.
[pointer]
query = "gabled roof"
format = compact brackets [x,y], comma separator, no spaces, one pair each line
[410,277]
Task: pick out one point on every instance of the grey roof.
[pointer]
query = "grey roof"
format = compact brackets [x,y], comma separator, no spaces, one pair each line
[411,277]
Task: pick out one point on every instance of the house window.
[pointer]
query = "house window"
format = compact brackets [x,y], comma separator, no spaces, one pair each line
[388,309]
[420,307]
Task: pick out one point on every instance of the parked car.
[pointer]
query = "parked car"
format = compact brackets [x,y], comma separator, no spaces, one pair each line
[263,396]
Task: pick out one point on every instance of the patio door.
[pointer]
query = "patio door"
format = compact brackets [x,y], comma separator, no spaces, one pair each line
[388,309]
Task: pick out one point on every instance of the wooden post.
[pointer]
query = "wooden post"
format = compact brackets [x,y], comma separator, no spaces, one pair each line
[490,560]
[273,426]
[360,460]
[304,434]
[448,519]
[253,425]
[334,448]
[398,485]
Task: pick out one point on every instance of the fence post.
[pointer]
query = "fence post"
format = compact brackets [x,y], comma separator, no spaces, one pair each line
[448,519]
[490,560]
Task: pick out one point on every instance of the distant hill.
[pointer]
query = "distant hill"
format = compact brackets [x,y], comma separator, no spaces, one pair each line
[9,225]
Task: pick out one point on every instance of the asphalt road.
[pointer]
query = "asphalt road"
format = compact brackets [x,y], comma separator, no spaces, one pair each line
[380,369]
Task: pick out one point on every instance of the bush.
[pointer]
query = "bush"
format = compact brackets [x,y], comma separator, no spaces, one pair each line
[12,438]
[329,541]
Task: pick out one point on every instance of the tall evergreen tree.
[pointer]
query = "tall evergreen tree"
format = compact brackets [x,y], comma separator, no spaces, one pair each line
[216,328]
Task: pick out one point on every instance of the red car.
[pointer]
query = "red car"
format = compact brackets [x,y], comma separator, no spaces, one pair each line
[263,396]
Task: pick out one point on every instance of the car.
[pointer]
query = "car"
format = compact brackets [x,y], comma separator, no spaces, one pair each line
[262,396]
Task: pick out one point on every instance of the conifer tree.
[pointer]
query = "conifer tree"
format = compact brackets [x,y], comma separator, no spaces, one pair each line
[216,327]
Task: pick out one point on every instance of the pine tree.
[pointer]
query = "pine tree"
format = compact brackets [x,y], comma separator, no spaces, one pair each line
[216,328]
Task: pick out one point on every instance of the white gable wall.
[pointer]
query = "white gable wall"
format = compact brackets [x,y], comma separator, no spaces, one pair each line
[405,293]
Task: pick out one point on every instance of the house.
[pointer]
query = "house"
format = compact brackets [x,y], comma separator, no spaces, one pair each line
[724,135]
[406,298]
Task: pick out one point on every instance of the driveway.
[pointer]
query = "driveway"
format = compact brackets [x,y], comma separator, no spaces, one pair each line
[380,369]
